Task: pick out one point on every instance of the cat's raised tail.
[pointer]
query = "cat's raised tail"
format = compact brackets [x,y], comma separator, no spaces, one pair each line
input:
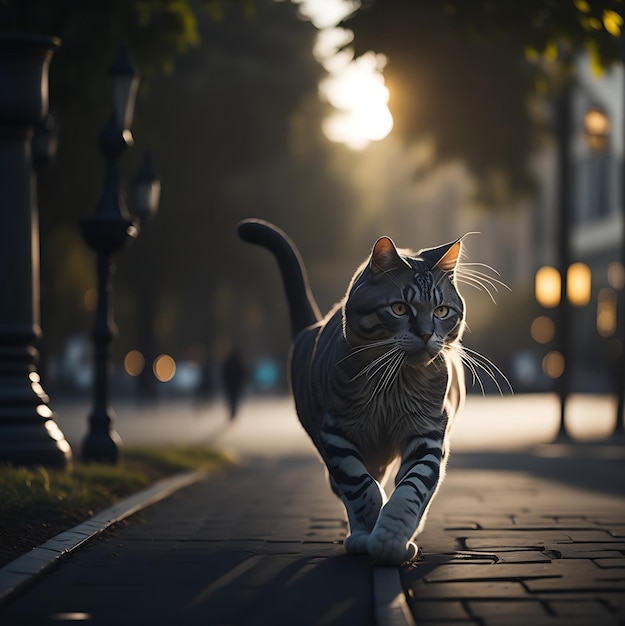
[303,309]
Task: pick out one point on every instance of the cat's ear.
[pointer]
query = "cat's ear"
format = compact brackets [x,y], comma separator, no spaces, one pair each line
[443,257]
[385,258]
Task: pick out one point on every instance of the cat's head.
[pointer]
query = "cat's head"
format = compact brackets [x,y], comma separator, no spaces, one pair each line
[406,300]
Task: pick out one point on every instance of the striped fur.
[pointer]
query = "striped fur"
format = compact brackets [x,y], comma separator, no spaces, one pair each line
[377,383]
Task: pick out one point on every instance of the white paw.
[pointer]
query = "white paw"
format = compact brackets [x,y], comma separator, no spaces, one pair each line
[389,549]
[356,543]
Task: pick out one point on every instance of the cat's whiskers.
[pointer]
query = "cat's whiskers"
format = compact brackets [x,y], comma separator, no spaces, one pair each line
[474,361]
[389,376]
[371,369]
[364,348]
[467,274]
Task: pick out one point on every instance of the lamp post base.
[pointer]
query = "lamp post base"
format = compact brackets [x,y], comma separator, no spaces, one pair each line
[28,433]
[102,443]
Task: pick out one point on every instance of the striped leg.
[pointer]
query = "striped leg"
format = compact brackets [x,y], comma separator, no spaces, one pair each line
[361,494]
[416,482]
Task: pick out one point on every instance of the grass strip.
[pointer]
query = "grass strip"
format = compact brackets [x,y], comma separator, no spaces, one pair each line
[38,503]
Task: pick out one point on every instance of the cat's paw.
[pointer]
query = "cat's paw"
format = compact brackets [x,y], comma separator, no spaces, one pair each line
[389,549]
[356,543]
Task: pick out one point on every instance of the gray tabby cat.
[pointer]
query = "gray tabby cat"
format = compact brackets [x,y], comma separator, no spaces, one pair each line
[378,382]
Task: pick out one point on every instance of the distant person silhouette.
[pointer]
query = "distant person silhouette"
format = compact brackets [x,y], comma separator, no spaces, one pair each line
[234,375]
[206,388]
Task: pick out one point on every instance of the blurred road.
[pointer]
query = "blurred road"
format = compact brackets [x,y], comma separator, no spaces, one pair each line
[487,423]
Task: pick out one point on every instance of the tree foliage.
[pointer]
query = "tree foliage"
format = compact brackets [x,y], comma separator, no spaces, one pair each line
[461,72]
[156,31]
[234,132]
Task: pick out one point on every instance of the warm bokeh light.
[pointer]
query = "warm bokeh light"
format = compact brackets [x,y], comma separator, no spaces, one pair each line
[164,368]
[578,284]
[553,364]
[134,363]
[606,312]
[543,329]
[547,287]
[90,300]
[616,275]
[597,129]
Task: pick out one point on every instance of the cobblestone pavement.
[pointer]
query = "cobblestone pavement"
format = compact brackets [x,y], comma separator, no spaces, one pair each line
[534,537]
[258,545]
[505,547]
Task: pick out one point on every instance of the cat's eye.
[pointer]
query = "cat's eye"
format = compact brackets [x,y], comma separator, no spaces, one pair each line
[441,311]
[399,308]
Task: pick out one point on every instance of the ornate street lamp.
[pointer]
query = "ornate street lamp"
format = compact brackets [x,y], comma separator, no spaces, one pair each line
[28,433]
[107,232]
[147,190]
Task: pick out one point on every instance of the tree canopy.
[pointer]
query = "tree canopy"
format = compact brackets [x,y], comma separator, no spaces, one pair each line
[461,73]
[156,31]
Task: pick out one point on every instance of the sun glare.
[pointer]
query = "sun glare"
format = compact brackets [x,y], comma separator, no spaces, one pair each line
[354,87]
[358,93]
[326,13]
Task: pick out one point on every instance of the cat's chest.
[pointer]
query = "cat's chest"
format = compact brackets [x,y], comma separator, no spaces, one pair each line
[388,419]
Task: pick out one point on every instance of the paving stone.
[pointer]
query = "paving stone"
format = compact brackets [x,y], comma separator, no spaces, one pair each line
[445,622]
[511,543]
[591,536]
[524,571]
[521,620]
[580,608]
[530,610]
[424,610]
[469,590]
[589,550]
[610,563]
[575,583]
[523,556]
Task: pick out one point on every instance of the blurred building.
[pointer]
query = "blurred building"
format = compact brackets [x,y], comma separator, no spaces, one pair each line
[597,229]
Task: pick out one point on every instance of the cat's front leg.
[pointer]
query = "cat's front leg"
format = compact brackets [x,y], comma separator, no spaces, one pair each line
[362,495]
[415,485]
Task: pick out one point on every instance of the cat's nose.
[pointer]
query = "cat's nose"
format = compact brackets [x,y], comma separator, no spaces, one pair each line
[425,337]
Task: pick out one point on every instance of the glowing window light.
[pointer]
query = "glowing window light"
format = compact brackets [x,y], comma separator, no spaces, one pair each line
[597,129]
[606,312]
[547,287]
[578,284]
[134,363]
[164,368]
[553,364]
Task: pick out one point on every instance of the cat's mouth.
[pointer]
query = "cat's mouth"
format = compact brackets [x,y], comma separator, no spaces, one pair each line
[421,356]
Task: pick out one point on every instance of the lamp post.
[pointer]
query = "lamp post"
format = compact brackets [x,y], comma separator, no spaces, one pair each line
[147,195]
[548,288]
[107,232]
[28,433]
[563,246]
[147,190]
[597,132]
[619,369]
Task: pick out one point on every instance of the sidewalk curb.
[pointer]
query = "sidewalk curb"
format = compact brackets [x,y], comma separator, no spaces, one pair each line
[26,569]
[391,608]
